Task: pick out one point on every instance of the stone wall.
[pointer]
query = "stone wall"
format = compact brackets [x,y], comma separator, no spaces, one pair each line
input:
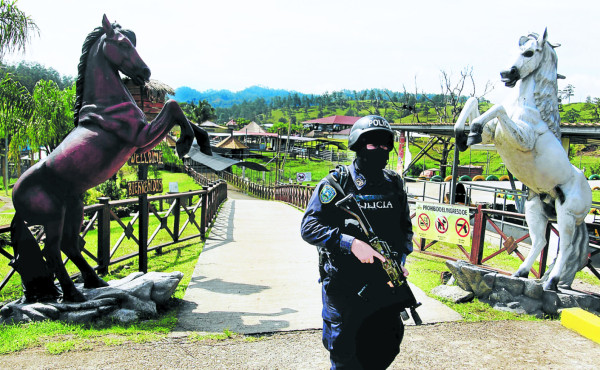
[507,293]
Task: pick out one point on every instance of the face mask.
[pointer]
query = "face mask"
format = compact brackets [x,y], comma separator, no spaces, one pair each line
[372,161]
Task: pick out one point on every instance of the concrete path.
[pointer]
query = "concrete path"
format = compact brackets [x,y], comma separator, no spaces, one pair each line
[257,275]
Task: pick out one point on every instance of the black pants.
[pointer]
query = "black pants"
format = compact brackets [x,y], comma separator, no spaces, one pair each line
[359,335]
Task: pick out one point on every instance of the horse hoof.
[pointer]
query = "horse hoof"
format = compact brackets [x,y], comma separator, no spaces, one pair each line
[461,142]
[474,138]
[521,274]
[75,296]
[94,282]
[551,284]
[183,145]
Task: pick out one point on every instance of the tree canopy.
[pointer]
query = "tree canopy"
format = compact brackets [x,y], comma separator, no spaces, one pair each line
[16,28]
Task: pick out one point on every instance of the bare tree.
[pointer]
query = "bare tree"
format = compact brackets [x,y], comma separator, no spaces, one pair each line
[448,105]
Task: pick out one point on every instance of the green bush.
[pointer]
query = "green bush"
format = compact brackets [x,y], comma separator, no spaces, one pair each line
[110,189]
[91,197]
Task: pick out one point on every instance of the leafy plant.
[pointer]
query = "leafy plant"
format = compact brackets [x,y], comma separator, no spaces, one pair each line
[110,189]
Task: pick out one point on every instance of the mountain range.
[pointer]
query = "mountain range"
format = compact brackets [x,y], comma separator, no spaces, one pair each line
[227,98]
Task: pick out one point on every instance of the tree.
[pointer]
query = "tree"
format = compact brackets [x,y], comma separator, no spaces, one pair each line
[29,73]
[53,115]
[448,105]
[16,28]
[567,92]
[283,126]
[572,115]
[16,108]
[200,112]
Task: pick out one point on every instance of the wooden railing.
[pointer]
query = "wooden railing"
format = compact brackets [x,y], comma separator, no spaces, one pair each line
[481,219]
[198,208]
[296,195]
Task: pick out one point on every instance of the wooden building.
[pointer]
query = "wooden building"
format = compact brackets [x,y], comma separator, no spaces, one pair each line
[150,97]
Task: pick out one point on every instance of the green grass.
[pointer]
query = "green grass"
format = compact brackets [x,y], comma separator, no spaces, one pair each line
[161,263]
[10,183]
[58,337]
[425,272]
[596,196]
[13,289]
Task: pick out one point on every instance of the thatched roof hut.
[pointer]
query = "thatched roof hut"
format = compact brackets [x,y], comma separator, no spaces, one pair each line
[153,98]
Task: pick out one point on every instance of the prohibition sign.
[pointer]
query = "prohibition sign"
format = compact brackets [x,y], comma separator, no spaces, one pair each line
[424,222]
[462,227]
[441,224]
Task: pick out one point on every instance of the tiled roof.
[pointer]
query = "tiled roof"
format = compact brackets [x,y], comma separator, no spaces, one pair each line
[338,120]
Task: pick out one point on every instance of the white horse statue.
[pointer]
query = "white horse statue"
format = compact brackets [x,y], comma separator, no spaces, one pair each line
[526,133]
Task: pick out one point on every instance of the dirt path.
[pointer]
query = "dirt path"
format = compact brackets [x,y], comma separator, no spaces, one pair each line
[485,345]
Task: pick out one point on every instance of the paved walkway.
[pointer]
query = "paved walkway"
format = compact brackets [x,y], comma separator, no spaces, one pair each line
[257,275]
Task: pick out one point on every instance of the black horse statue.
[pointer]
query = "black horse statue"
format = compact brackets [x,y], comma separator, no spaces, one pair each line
[109,128]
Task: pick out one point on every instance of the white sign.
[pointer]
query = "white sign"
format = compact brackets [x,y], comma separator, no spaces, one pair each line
[303,176]
[173,187]
[443,222]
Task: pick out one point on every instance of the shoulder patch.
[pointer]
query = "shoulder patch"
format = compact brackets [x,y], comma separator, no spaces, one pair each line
[327,194]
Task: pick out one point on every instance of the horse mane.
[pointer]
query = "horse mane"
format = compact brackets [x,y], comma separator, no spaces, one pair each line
[546,89]
[82,66]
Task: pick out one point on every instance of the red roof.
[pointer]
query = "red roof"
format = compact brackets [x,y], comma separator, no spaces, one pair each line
[338,120]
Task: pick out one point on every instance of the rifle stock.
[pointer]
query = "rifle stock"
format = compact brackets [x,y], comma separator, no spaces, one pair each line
[349,205]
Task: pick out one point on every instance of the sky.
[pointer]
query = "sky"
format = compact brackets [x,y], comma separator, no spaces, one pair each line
[314,46]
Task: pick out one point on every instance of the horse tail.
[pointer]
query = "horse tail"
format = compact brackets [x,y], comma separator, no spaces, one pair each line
[577,259]
[581,240]
[28,261]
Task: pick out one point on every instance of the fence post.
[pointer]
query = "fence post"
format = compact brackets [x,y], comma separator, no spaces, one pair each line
[103,236]
[478,236]
[204,215]
[176,218]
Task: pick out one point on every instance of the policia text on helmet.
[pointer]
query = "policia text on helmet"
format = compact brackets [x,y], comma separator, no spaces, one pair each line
[372,138]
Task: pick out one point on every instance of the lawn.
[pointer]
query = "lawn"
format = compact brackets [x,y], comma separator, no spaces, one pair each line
[128,246]
[57,337]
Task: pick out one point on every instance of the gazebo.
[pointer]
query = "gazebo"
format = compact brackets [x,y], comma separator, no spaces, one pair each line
[231,147]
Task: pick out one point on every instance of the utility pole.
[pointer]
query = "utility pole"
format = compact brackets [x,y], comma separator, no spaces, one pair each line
[277,156]
[287,144]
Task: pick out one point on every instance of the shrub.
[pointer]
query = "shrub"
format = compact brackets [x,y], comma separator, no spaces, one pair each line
[110,189]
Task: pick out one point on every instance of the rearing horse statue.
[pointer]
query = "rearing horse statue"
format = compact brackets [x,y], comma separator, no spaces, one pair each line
[526,133]
[109,129]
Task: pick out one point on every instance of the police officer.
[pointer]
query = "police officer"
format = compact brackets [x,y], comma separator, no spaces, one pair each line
[361,324]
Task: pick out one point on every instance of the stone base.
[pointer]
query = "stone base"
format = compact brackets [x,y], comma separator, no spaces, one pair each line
[126,300]
[519,295]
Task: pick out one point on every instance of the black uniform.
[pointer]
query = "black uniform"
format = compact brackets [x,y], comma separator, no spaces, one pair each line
[359,331]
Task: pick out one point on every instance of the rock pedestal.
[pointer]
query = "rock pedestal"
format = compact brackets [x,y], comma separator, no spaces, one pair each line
[126,300]
[507,293]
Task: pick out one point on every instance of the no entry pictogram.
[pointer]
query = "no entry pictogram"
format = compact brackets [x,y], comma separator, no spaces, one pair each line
[424,222]
[441,224]
[462,227]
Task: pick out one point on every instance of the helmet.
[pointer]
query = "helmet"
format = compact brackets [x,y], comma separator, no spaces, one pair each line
[370,126]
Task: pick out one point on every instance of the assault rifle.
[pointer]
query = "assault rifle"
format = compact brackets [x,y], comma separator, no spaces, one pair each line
[349,205]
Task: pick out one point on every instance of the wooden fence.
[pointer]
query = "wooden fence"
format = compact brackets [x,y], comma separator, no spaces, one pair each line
[199,209]
[480,219]
[296,195]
